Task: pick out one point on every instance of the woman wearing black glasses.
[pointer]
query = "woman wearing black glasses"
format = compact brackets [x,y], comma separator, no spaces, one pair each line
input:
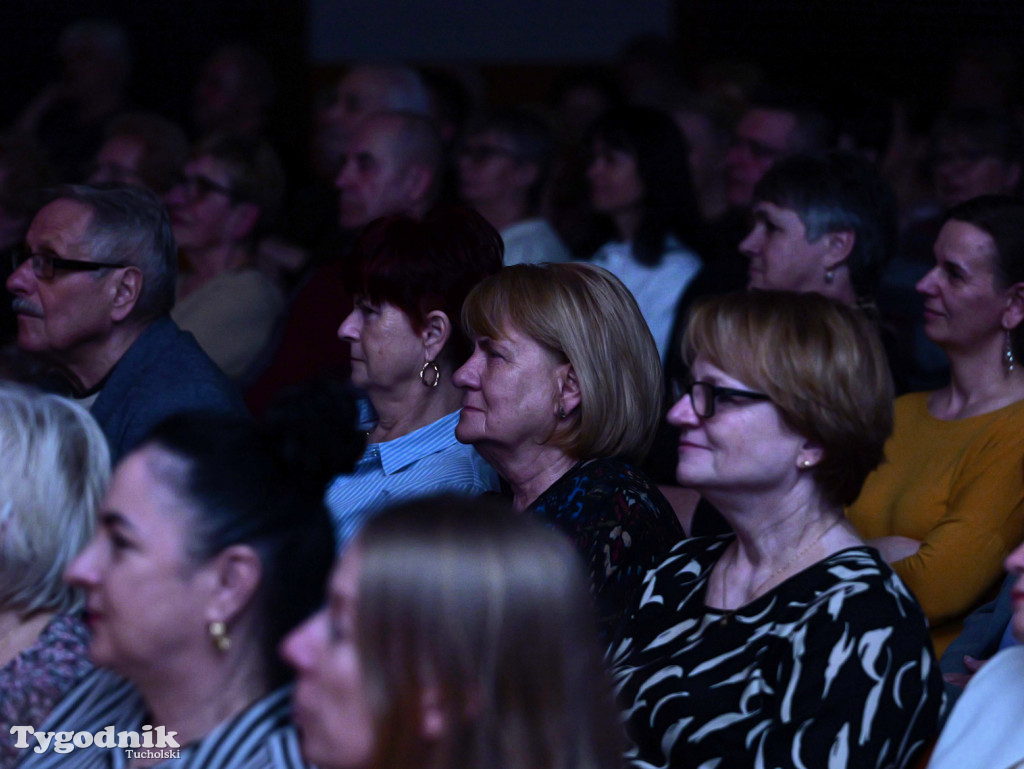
[788,642]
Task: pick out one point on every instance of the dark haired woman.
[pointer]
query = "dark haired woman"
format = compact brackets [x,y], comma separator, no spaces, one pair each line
[640,178]
[213,542]
[406,341]
[948,505]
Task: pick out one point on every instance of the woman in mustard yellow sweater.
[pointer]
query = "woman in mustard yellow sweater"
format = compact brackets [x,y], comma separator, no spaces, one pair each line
[948,504]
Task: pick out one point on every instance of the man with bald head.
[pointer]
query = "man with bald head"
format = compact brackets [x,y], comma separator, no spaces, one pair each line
[392,165]
[364,90]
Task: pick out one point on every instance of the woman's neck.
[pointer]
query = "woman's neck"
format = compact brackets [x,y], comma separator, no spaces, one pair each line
[627,223]
[529,471]
[414,406]
[774,542]
[978,384]
[18,633]
[195,700]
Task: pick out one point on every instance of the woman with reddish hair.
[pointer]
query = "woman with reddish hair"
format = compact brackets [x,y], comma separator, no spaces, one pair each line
[406,342]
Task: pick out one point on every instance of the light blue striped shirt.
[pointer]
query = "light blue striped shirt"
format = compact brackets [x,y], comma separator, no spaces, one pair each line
[424,462]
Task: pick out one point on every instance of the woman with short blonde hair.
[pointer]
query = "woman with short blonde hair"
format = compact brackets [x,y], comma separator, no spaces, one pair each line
[562,395]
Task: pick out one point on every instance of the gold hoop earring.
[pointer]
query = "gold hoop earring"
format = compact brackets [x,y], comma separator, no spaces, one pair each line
[435,380]
[219,635]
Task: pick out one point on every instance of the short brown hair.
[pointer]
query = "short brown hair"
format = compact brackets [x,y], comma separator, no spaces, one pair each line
[587,316]
[822,364]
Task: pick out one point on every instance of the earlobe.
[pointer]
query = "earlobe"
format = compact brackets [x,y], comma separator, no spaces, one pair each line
[839,246]
[244,218]
[436,331]
[418,179]
[1013,314]
[810,455]
[569,391]
[127,290]
[236,573]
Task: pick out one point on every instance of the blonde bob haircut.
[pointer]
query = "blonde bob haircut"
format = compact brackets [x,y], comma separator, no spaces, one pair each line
[487,616]
[54,468]
[585,315]
[822,364]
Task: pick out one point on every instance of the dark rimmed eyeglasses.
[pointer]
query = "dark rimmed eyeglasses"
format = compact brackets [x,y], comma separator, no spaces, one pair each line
[198,187]
[44,265]
[704,396]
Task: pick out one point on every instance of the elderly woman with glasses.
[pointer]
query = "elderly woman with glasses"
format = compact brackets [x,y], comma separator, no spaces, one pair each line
[229,191]
[789,642]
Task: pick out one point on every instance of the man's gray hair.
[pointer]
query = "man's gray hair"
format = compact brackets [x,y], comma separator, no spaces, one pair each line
[131,226]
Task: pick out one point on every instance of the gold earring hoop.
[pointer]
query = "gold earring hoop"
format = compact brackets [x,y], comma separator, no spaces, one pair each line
[219,635]
[435,380]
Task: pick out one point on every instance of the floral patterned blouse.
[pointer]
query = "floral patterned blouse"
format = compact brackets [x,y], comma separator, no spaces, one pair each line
[37,679]
[621,525]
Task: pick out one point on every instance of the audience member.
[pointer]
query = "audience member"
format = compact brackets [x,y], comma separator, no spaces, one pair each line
[823,223]
[948,505]
[405,341]
[562,395]
[363,91]
[213,544]
[983,731]
[708,128]
[235,93]
[68,118]
[393,166]
[141,148]
[974,151]
[986,631]
[640,178]
[54,465]
[775,124]
[24,175]
[92,293]
[457,635]
[504,165]
[787,643]
[231,188]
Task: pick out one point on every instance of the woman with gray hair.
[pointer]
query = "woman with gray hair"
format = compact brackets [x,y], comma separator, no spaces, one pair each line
[54,466]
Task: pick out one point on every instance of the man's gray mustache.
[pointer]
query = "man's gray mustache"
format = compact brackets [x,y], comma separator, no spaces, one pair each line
[23,306]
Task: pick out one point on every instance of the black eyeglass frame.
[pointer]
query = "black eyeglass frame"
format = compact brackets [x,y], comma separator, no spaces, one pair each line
[198,187]
[45,266]
[712,393]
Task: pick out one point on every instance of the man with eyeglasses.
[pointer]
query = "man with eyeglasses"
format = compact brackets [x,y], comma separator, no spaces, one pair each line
[776,124]
[504,165]
[92,292]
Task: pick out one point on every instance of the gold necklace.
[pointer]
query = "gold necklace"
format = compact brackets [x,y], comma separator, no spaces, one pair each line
[755,593]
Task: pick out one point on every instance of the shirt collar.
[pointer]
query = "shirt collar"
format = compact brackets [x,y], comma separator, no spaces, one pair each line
[401,452]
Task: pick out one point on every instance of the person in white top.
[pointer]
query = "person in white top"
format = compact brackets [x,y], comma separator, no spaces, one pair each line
[984,728]
[640,178]
[504,165]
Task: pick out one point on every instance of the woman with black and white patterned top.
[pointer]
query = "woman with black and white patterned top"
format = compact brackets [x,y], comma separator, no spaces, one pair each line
[788,643]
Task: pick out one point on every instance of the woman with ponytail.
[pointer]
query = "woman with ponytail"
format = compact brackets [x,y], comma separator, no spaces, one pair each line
[212,543]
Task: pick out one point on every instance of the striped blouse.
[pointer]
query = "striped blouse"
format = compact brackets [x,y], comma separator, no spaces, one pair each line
[260,737]
[426,461]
